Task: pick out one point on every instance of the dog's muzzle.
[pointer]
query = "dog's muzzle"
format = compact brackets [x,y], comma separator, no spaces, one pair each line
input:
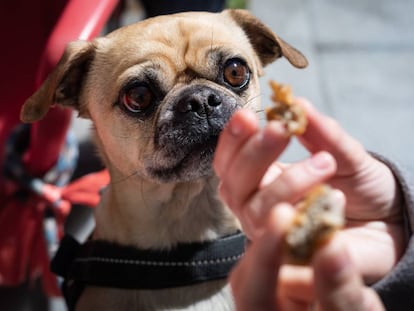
[188,130]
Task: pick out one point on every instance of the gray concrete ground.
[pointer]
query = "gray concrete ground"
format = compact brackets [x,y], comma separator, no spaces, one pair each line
[361,71]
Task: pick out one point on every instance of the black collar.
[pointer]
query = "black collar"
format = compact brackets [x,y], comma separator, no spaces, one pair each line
[101,263]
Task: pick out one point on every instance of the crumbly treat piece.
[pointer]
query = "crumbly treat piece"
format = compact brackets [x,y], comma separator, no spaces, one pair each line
[292,116]
[318,216]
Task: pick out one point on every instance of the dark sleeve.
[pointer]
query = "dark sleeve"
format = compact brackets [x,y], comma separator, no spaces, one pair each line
[397,288]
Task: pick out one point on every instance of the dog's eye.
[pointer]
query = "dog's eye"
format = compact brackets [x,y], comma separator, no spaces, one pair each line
[137,99]
[236,73]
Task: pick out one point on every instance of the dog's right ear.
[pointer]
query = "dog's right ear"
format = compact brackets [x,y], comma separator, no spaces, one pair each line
[63,85]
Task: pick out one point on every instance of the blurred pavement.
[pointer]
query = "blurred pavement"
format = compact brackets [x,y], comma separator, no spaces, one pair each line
[361,72]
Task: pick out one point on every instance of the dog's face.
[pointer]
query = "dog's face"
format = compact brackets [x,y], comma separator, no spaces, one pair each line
[159,92]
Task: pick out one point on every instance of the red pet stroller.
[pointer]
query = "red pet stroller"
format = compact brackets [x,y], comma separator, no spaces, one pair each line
[36,161]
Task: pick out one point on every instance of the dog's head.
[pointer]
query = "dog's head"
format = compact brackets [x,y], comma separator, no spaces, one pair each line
[159,92]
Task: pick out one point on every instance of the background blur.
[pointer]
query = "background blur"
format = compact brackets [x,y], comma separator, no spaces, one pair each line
[361,72]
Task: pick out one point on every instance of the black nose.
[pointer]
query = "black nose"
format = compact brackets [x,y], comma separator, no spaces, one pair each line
[200,101]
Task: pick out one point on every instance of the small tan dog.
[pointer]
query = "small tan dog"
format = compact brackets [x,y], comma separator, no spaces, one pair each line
[159,92]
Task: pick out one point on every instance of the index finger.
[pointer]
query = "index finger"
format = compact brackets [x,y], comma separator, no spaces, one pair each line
[242,125]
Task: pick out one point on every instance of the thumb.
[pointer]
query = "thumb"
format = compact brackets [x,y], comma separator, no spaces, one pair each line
[338,284]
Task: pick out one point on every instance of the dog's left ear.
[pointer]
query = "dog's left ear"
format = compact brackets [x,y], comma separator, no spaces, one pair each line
[63,85]
[267,45]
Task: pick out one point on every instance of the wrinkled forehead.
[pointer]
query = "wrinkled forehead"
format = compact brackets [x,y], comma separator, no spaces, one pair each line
[199,26]
[182,39]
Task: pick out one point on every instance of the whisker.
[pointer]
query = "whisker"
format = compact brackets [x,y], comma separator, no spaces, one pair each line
[257,111]
[123,179]
[212,39]
[134,136]
[141,189]
[253,98]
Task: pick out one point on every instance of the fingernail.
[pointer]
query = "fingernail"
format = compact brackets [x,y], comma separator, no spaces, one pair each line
[239,121]
[235,128]
[271,174]
[321,161]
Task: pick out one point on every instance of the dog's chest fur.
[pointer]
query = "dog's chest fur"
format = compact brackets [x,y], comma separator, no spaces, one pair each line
[160,217]
[215,295]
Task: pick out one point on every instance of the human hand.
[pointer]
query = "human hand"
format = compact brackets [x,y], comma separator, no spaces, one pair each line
[374,226]
[338,286]
[251,184]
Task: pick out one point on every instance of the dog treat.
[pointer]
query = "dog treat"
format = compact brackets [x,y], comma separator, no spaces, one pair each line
[318,216]
[291,115]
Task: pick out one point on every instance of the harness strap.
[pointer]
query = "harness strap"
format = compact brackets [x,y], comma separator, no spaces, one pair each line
[102,263]
[34,209]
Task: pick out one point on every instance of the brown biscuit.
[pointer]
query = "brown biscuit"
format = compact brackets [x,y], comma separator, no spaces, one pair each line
[318,216]
[285,110]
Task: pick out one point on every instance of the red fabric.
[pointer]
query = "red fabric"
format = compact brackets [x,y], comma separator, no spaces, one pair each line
[23,250]
[79,191]
[35,34]
[80,19]
[25,27]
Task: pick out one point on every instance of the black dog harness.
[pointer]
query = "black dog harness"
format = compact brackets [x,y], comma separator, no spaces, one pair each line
[101,263]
